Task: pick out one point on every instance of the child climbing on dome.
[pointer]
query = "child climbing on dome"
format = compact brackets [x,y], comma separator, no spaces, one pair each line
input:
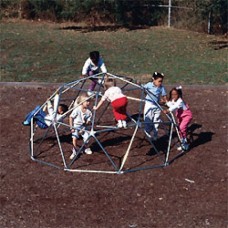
[154,92]
[93,65]
[79,120]
[183,114]
[118,101]
[43,119]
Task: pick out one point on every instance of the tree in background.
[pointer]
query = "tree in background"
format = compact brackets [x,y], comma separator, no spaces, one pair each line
[199,15]
[216,13]
[138,12]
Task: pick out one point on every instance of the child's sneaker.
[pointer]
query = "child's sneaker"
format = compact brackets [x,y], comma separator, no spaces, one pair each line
[88,151]
[90,93]
[119,124]
[26,123]
[185,146]
[74,153]
[155,137]
[179,148]
[124,124]
[100,81]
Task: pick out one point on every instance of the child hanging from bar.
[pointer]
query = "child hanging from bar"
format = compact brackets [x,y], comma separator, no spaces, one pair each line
[118,101]
[183,114]
[79,120]
[42,119]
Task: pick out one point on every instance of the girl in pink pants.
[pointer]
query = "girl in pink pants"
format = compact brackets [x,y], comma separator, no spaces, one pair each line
[183,114]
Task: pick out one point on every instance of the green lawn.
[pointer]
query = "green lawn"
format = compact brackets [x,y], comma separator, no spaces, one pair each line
[43,52]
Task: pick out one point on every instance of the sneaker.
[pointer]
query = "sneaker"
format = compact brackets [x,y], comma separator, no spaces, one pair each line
[88,151]
[90,93]
[185,146]
[124,123]
[74,153]
[93,93]
[179,148]
[100,81]
[119,124]
[26,123]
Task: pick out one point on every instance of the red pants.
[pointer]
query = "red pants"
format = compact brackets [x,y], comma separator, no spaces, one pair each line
[119,108]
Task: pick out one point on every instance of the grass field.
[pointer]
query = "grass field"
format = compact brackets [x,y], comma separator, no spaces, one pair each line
[43,52]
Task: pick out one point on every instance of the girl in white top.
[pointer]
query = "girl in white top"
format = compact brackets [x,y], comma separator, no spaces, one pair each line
[183,113]
[118,101]
[79,119]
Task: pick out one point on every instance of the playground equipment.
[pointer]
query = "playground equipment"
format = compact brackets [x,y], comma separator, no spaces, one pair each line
[116,150]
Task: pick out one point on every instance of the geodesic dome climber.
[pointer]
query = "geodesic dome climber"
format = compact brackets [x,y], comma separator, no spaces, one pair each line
[115,150]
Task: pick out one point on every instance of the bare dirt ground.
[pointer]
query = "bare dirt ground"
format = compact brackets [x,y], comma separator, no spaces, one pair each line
[190,192]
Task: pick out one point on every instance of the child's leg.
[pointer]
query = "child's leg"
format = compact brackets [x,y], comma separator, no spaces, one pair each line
[30,115]
[75,137]
[123,111]
[93,84]
[85,136]
[94,81]
[117,116]
[156,118]
[116,113]
[148,117]
[183,125]
[74,150]
[74,142]
[119,108]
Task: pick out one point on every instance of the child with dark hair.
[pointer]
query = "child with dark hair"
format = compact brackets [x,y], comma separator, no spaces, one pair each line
[118,101]
[152,112]
[93,65]
[183,113]
[43,119]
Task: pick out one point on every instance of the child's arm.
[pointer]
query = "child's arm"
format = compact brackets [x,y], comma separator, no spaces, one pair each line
[85,68]
[103,68]
[98,105]
[166,111]
[137,82]
[163,100]
[50,108]
[49,105]
[173,106]
[71,124]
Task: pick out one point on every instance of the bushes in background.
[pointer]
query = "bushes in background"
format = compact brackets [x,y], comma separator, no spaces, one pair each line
[193,14]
